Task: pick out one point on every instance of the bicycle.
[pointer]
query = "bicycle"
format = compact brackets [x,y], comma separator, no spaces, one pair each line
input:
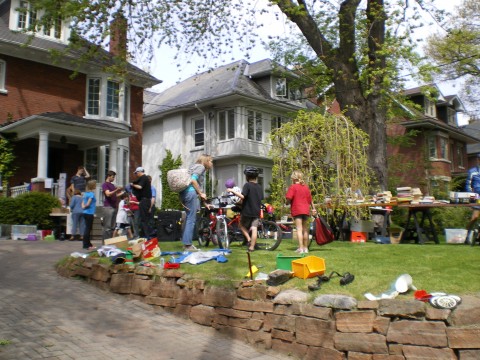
[212,223]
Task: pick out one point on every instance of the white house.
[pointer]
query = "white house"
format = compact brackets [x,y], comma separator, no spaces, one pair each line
[227,112]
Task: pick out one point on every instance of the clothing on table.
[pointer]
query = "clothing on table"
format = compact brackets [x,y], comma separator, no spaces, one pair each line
[78,226]
[190,201]
[88,215]
[300,199]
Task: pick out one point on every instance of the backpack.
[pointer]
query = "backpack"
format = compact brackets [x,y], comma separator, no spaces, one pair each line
[323,231]
[178,179]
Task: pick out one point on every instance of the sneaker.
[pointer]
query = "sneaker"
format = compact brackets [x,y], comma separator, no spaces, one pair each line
[92,248]
[190,248]
[305,251]
[299,251]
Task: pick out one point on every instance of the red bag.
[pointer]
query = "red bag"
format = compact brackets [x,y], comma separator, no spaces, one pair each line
[323,231]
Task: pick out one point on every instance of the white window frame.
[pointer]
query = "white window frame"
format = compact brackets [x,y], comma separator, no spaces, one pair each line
[122,97]
[198,132]
[429,107]
[432,146]
[281,87]
[226,125]
[3,76]
[255,123]
[443,147]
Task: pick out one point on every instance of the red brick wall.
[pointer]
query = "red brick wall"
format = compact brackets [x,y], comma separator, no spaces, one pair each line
[34,88]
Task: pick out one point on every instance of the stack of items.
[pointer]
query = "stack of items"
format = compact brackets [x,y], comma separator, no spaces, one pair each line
[384,197]
[427,200]
[404,194]
[416,196]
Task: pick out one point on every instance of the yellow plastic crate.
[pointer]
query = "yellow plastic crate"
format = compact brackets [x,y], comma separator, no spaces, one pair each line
[308,267]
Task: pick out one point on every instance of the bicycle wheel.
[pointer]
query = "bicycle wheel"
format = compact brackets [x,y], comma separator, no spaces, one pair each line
[203,232]
[474,237]
[222,233]
[269,235]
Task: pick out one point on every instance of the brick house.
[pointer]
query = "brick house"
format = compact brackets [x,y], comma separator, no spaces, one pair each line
[60,121]
[438,152]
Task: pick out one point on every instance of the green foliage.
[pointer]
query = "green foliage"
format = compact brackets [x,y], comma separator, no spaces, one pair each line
[32,208]
[329,150]
[7,160]
[170,199]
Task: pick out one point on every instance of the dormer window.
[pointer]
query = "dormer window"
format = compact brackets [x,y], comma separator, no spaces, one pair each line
[429,108]
[281,87]
[26,15]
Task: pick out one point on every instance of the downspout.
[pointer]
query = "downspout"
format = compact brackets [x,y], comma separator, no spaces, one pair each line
[207,140]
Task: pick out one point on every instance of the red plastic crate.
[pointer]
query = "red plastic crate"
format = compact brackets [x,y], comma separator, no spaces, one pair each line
[358,236]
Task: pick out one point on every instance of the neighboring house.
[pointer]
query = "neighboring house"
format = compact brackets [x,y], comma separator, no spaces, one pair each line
[439,152]
[473,150]
[61,121]
[228,112]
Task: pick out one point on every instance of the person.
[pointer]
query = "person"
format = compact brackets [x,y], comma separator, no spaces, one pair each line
[79,180]
[230,184]
[122,222]
[134,213]
[142,190]
[189,198]
[252,196]
[76,211]
[299,198]
[472,185]
[154,199]
[89,204]
[110,192]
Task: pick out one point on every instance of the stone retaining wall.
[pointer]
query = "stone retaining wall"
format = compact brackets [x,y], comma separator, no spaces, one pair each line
[333,327]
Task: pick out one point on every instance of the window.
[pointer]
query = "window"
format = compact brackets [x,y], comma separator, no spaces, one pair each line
[107,98]
[226,124]
[91,162]
[26,16]
[443,148]
[277,122]
[113,89]
[3,72]
[198,132]
[294,94]
[254,125]
[460,155]
[281,87]
[429,108]
[451,117]
[432,147]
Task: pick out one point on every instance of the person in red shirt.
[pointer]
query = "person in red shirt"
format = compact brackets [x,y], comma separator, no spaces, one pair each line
[300,199]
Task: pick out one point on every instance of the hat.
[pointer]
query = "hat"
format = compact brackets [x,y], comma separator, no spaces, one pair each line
[139,169]
[230,183]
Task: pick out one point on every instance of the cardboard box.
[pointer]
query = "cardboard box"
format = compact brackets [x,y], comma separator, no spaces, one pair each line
[120,242]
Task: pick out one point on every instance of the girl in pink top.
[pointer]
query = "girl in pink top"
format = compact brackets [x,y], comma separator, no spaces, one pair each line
[300,200]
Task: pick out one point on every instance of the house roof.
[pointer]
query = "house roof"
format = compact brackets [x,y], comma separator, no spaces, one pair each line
[224,81]
[22,45]
[83,132]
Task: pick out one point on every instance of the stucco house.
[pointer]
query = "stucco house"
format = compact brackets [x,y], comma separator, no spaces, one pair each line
[227,112]
[60,121]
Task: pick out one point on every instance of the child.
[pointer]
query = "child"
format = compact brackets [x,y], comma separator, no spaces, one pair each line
[89,205]
[122,221]
[230,184]
[299,197]
[77,218]
[252,196]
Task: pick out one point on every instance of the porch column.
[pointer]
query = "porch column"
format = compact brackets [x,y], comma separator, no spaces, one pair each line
[113,156]
[42,161]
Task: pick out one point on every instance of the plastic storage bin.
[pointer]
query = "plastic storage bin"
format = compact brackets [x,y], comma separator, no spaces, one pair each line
[285,262]
[21,232]
[455,236]
[308,267]
[5,231]
[358,236]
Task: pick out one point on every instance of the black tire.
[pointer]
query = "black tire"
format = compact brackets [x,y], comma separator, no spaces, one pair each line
[269,236]
[204,233]
[474,237]
[222,233]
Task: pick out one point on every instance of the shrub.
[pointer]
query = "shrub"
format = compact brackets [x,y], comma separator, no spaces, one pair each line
[32,208]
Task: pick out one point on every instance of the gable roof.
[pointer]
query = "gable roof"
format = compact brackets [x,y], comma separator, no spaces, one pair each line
[18,44]
[211,85]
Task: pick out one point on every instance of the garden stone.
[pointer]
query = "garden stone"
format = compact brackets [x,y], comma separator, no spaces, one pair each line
[291,296]
[336,301]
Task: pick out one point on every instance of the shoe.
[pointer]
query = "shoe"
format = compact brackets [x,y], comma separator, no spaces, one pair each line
[305,251]
[92,248]
[190,248]
[299,251]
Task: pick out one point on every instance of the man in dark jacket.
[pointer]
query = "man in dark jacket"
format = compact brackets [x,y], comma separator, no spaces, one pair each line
[141,188]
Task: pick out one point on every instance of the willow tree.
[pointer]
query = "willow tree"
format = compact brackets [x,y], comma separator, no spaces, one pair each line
[329,150]
[356,60]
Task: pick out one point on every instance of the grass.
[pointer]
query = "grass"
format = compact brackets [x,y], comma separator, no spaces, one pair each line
[450,268]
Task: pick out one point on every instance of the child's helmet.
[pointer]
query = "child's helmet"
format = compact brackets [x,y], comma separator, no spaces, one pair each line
[230,183]
[251,171]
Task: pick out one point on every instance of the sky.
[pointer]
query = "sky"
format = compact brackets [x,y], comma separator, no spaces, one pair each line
[165,67]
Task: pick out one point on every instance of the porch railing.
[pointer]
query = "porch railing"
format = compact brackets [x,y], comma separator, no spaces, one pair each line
[22,189]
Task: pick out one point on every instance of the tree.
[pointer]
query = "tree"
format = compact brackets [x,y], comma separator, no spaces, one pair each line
[457,52]
[350,41]
[170,199]
[7,162]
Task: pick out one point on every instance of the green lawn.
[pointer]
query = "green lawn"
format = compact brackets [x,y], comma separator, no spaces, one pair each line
[450,268]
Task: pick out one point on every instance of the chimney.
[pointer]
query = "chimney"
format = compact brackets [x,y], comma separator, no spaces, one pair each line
[118,36]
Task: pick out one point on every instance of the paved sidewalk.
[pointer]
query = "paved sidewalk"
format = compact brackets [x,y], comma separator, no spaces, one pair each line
[45,316]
